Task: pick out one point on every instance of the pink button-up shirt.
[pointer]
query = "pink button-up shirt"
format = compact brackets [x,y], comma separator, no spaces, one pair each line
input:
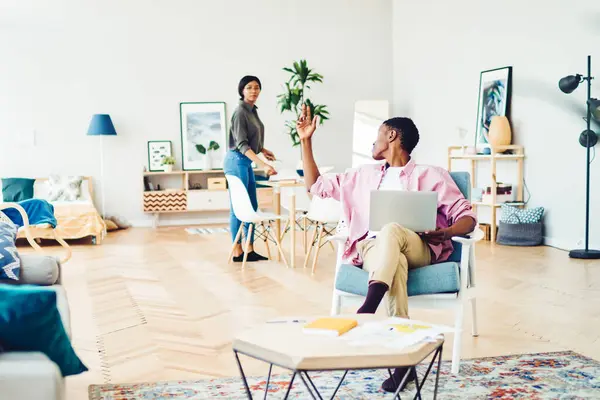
[353,189]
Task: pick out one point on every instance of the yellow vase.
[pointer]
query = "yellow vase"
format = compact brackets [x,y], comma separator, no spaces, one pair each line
[499,133]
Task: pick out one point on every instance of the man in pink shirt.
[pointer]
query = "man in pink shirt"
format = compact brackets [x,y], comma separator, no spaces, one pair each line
[394,250]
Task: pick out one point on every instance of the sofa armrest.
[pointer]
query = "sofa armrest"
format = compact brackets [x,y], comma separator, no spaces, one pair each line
[39,270]
[30,375]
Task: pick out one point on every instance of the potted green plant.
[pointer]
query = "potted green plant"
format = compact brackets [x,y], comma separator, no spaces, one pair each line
[168,163]
[296,94]
[212,146]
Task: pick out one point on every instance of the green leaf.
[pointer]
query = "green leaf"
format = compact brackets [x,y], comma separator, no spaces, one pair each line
[201,149]
[288,70]
[213,145]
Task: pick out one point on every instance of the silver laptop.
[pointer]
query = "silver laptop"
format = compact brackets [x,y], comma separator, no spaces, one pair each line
[416,211]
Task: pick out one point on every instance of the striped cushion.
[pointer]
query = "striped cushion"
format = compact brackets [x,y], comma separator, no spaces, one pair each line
[432,279]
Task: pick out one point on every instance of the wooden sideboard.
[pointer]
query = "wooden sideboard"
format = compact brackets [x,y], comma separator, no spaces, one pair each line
[187,191]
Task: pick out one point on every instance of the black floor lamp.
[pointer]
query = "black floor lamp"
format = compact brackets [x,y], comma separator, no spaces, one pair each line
[587,139]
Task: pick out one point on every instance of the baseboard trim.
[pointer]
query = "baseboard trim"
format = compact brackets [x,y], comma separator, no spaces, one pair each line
[149,223]
[566,245]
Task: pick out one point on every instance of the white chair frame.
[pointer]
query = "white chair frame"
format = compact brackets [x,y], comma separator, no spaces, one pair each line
[242,207]
[454,301]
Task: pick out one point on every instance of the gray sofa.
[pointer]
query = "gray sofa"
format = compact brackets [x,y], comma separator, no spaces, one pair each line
[31,375]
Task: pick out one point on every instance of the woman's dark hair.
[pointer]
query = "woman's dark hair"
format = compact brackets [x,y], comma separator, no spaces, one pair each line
[409,134]
[244,81]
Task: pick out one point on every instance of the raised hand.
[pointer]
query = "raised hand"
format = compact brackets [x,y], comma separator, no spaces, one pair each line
[306,124]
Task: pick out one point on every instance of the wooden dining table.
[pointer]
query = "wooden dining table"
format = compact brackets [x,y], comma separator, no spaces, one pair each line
[277,187]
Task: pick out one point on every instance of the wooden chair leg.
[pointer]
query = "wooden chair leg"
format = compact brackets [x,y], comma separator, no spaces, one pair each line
[237,237]
[266,233]
[247,247]
[310,246]
[287,224]
[280,250]
[64,244]
[314,266]
[304,233]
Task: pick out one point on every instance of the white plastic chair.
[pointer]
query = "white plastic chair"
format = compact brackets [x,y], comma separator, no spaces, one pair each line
[243,210]
[323,213]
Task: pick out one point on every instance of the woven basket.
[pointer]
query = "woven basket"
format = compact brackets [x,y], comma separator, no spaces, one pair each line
[520,234]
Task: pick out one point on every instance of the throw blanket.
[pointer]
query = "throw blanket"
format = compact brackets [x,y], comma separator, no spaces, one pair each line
[38,211]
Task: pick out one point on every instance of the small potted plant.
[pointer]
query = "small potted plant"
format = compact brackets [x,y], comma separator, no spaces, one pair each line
[168,163]
[212,146]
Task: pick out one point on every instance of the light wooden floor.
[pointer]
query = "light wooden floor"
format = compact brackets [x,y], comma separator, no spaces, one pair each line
[152,305]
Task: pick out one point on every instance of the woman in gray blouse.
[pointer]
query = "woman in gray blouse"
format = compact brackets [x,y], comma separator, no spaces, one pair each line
[246,140]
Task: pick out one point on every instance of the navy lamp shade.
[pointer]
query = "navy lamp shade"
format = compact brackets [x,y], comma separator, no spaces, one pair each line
[101,125]
[569,83]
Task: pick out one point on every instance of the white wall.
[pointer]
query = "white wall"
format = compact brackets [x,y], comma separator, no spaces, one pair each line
[65,60]
[440,49]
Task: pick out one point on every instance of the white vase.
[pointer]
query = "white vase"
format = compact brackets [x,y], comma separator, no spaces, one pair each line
[207,162]
[168,168]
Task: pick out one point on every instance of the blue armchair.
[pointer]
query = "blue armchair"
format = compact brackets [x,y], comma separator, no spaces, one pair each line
[450,284]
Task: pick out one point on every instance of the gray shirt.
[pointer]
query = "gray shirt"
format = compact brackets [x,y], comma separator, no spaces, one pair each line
[247,131]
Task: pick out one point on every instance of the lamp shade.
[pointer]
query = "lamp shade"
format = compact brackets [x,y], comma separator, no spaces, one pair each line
[101,124]
[569,83]
[595,108]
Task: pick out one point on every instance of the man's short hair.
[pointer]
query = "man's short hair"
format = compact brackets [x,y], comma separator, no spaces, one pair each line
[409,134]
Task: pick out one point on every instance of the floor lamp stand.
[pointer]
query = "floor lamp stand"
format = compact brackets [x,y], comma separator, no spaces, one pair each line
[587,253]
[102,176]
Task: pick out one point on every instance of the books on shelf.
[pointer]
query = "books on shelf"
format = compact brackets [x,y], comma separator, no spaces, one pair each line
[330,326]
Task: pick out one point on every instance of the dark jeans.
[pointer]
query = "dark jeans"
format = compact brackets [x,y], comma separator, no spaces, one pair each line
[239,165]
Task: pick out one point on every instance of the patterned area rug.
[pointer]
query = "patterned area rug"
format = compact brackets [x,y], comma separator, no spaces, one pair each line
[563,375]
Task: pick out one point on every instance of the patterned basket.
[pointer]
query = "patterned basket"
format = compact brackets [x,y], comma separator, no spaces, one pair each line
[520,234]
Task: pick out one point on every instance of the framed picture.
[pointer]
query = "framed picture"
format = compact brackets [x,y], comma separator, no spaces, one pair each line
[203,135]
[494,99]
[157,150]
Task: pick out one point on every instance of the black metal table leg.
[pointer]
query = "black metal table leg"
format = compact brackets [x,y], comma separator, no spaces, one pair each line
[268,380]
[313,385]
[439,370]
[290,386]
[339,384]
[307,386]
[418,394]
[237,358]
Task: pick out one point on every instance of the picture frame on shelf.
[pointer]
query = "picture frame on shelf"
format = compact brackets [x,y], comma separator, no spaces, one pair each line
[495,87]
[157,151]
[202,125]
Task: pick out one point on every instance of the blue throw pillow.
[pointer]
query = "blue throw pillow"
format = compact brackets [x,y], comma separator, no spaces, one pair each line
[10,263]
[17,189]
[30,321]
[514,215]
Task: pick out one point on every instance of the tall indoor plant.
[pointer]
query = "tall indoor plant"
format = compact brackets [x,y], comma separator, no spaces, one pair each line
[296,94]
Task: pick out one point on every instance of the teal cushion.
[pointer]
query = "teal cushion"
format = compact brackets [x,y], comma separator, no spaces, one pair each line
[10,263]
[514,215]
[17,189]
[432,279]
[30,321]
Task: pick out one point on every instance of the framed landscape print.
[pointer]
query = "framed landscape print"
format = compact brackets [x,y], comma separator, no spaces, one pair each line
[203,135]
[157,150]
[494,99]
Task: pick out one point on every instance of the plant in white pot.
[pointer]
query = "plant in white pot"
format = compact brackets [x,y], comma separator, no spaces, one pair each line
[212,146]
[168,163]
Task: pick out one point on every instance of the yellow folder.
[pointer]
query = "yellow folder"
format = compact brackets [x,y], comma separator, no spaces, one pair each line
[330,326]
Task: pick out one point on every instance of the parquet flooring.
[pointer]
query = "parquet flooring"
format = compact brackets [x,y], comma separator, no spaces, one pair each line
[150,305]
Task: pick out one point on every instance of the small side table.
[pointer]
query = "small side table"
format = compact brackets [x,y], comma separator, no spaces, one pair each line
[286,346]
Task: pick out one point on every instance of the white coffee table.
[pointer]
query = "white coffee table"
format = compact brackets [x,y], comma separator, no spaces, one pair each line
[285,345]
